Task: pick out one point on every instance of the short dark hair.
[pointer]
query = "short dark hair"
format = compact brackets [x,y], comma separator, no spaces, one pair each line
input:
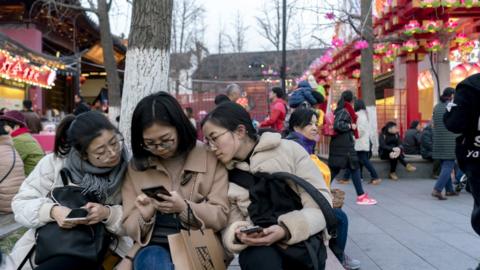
[300,118]
[278,92]
[230,115]
[219,99]
[160,108]
[9,123]
[414,124]
[387,126]
[27,104]
[79,131]
[359,105]
[2,128]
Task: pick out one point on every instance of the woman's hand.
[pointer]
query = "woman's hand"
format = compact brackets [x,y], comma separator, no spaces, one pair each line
[145,206]
[59,213]
[96,212]
[267,237]
[172,204]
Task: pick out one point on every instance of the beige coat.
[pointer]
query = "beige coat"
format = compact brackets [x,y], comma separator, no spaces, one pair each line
[10,185]
[272,154]
[206,193]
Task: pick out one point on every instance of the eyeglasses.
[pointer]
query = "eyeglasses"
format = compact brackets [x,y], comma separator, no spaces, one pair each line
[164,144]
[109,150]
[212,142]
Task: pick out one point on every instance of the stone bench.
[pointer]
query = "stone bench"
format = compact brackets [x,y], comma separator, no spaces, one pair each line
[8,225]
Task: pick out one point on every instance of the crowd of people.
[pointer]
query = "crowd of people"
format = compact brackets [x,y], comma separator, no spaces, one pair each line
[220,184]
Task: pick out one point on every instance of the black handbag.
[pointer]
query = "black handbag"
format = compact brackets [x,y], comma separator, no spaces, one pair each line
[89,242]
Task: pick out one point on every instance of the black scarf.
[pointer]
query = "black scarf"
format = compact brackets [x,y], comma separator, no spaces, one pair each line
[269,198]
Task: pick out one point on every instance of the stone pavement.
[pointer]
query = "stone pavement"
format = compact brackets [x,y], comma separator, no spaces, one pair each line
[409,229]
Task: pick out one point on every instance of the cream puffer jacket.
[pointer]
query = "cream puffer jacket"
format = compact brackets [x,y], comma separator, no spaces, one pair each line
[364,133]
[31,207]
[273,154]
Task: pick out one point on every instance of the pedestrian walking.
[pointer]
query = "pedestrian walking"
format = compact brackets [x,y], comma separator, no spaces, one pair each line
[443,147]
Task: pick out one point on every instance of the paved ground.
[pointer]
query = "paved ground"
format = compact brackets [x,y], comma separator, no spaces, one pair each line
[410,230]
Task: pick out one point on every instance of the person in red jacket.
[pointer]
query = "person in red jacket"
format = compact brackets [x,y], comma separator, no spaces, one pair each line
[278,110]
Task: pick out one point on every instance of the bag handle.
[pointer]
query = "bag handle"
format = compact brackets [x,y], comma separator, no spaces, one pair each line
[190,214]
[322,202]
[11,167]
[27,258]
[65,175]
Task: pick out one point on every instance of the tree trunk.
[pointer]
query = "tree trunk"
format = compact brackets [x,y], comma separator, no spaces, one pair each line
[148,57]
[366,70]
[109,61]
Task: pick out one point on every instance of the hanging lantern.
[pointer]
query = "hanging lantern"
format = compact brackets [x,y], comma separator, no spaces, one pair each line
[389,57]
[337,42]
[412,27]
[361,44]
[410,45]
[433,46]
[356,73]
[379,48]
[431,26]
[461,38]
[450,3]
[469,3]
[430,3]
[467,47]
[451,25]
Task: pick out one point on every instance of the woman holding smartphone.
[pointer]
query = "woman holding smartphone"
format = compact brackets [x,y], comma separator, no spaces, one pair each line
[231,136]
[92,150]
[169,175]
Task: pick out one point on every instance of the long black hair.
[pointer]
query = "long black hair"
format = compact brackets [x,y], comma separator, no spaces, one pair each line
[230,115]
[79,131]
[347,96]
[164,109]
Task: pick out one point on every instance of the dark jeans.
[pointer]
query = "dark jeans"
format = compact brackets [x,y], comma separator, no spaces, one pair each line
[264,257]
[394,162]
[364,161]
[342,232]
[153,258]
[444,181]
[67,262]
[357,181]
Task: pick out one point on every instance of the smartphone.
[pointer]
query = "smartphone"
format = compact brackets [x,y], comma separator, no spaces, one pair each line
[77,214]
[251,229]
[154,191]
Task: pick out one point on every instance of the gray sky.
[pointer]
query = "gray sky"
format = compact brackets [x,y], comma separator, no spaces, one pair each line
[220,14]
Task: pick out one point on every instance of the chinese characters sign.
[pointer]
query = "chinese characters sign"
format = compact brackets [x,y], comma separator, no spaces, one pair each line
[19,69]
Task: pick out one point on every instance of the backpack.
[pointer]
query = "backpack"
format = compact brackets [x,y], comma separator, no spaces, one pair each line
[327,129]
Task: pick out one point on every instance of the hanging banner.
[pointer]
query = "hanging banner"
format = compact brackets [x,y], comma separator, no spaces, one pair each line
[19,69]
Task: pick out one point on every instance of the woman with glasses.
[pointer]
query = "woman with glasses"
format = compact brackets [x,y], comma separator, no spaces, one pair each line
[166,154]
[232,138]
[91,150]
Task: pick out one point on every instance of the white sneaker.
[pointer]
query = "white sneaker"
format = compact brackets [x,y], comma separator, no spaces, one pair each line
[351,264]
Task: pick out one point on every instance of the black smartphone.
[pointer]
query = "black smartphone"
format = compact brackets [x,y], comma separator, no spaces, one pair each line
[154,191]
[77,214]
[251,229]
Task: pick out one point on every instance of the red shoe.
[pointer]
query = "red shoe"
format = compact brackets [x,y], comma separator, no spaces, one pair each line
[365,200]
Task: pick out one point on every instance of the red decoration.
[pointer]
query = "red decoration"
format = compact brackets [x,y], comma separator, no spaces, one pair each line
[412,27]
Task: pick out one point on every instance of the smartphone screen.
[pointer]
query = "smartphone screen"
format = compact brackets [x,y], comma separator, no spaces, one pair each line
[154,191]
[77,214]
[252,229]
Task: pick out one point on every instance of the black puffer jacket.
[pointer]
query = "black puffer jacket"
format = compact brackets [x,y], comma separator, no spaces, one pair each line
[426,145]
[342,146]
[387,142]
[463,116]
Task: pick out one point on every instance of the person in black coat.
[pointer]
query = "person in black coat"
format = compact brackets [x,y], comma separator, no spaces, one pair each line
[411,142]
[426,149]
[463,116]
[391,149]
[342,146]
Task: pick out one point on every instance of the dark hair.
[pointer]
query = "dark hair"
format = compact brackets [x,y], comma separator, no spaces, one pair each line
[79,131]
[414,124]
[9,123]
[189,111]
[300,118]
[447,94]
[230,115]
[359,105]
[219,99]
[2,128]
[278,92]
[27,104]
[347,96]
[387,126]
[318,97]
[2,110]
[160,108]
